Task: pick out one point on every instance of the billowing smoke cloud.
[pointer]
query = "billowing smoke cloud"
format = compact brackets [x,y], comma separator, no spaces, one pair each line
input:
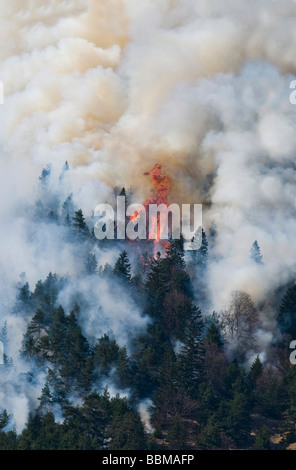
[114,86]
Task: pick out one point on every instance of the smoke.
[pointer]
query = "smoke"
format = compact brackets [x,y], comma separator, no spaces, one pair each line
[143,409]
[114,87]
[106,308]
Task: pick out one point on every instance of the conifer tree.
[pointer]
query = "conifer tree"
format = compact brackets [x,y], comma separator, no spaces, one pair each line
[24,293]
[122,268]
[45,174]
[177,435]
[190,358]
[67,210]
[255,370]
[91,264]
[262,440]
[287,314]
[255,253]
[45,399]
[4,418]
[79,223]
[202,254]
[213,335]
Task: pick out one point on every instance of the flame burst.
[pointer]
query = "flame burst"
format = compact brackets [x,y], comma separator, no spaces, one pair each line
[161,189]
[161,185]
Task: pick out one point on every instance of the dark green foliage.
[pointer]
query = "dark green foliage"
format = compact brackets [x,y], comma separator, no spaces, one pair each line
[24,293]
[100,422]
[106,354]
[4,418]
[287,314]
[255,370]
[213,335]
[40,433]
[190,357]
[237,416]
[168,290]
[202,255]
[45,399]
[177,435]
[79,225]
[269,392]
[262,441]
[126,430]
[8,440]
[59,341]
[122,268]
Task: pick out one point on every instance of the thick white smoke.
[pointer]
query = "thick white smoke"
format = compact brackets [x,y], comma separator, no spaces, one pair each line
[115,86]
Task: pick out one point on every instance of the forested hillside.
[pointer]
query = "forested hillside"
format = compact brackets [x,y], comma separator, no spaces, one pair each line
[184,377]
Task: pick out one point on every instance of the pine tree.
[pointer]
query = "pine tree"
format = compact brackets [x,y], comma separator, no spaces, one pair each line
[122,268]
[91,264]
[255,253]
[36,324]
[79,223]
[213,335]
[287,314]
[238,416]
[45,174]
[24,293]
[156,286]
[175,252]
[210,434]
[4,419]
[190,358]
[73,355]
[67,210]
[106,354]
[262,440]
[29,435]
[255,370]
[56,333]
[199,250]
[126,431]
[177,435]
[123,369]
[198,264]
[45,399]
[202,254]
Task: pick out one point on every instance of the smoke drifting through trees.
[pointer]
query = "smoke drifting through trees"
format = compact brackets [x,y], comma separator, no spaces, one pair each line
[85,83]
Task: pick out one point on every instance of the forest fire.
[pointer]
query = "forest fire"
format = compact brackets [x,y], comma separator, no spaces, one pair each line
[134,217]
[161,189]
[161,185]
[155,220]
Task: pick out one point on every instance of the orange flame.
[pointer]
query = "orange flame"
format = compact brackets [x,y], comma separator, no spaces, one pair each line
[161,185]
[134,217]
